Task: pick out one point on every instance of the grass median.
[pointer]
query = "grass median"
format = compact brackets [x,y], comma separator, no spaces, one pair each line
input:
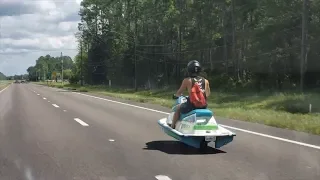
[282,110]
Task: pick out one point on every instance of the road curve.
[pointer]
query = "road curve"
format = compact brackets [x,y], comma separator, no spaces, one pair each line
[52,134]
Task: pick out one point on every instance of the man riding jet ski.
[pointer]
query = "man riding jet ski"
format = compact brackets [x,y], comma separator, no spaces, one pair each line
[190,121]
[196,100]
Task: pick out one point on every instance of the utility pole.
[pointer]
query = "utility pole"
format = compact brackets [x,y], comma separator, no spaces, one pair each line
[135,66]
[180,40]
[225,48]
[234,57]
[61,68]
[44,73]
[303,44]
[81,63]
[135,48]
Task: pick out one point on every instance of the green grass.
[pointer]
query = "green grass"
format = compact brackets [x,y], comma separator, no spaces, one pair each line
[283,110]
[4,83]
[2,86]
[83,89]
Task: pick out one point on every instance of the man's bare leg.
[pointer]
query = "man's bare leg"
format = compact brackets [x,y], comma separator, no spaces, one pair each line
[175,117]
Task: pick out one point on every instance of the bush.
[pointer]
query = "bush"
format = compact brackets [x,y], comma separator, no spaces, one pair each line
[222,81]
[83,89]
[74,79]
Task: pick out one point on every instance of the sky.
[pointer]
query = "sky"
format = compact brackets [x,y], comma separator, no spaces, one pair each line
[33,28]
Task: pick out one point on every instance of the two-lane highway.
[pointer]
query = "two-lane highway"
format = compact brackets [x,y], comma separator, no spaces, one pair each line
[52,134]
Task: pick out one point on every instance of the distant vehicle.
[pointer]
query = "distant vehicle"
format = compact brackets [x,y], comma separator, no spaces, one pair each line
[17,82]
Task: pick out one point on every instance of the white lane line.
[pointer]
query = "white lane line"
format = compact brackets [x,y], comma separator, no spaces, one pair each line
[230,127]
[44,98]
[55,105]
[111,140]
[274,137]
[3,89]
[64,110]
[162,177]
[81,122]
[38,94]
[48,101]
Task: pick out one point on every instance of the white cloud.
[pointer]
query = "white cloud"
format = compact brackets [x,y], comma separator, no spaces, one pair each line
[31,28]
[46,5]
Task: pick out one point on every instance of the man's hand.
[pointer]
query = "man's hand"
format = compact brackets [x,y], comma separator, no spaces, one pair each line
[174,96]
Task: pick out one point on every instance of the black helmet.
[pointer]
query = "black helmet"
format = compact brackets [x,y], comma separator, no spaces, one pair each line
[194,67]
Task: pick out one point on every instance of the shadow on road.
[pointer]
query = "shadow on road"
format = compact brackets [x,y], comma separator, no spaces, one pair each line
[176,147]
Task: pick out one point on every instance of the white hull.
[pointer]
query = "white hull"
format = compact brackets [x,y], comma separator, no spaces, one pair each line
[221,131]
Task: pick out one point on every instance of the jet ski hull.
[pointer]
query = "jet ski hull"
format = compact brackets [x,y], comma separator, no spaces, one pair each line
[220,137]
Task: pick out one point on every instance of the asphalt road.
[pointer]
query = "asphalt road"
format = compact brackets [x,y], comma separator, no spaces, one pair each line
[51,134]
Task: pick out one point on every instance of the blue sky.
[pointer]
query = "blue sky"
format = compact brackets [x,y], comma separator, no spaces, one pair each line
[31,28]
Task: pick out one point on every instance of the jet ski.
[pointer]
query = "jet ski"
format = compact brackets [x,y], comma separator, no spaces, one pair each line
[197,128]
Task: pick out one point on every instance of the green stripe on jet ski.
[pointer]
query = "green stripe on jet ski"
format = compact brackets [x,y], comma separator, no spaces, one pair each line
[201,127]
[172,134]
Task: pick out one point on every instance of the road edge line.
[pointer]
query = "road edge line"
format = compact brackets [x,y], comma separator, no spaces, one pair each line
[5,88]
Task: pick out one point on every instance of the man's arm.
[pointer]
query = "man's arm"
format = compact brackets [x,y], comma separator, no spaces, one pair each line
[208,88]
[182,88]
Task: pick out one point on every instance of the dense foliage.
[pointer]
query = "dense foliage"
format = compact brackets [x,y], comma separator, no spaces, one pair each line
[242,44]
[2,76]
[47,65]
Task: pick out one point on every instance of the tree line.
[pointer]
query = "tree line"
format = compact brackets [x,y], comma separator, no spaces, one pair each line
[266,44]
[15,77]
[50,68]
[2,76]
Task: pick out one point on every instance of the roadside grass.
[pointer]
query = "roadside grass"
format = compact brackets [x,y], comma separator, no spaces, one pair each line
[282,110]
[4,84]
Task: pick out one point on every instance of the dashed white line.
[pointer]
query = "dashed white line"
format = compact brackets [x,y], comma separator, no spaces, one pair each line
[38,94]
[55,105]
[64,110]
[111,140]
[44,98]
[48,101]
[230,127]
[162,177]
[81,122]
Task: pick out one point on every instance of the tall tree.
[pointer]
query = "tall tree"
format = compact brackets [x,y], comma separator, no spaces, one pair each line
[151,42]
